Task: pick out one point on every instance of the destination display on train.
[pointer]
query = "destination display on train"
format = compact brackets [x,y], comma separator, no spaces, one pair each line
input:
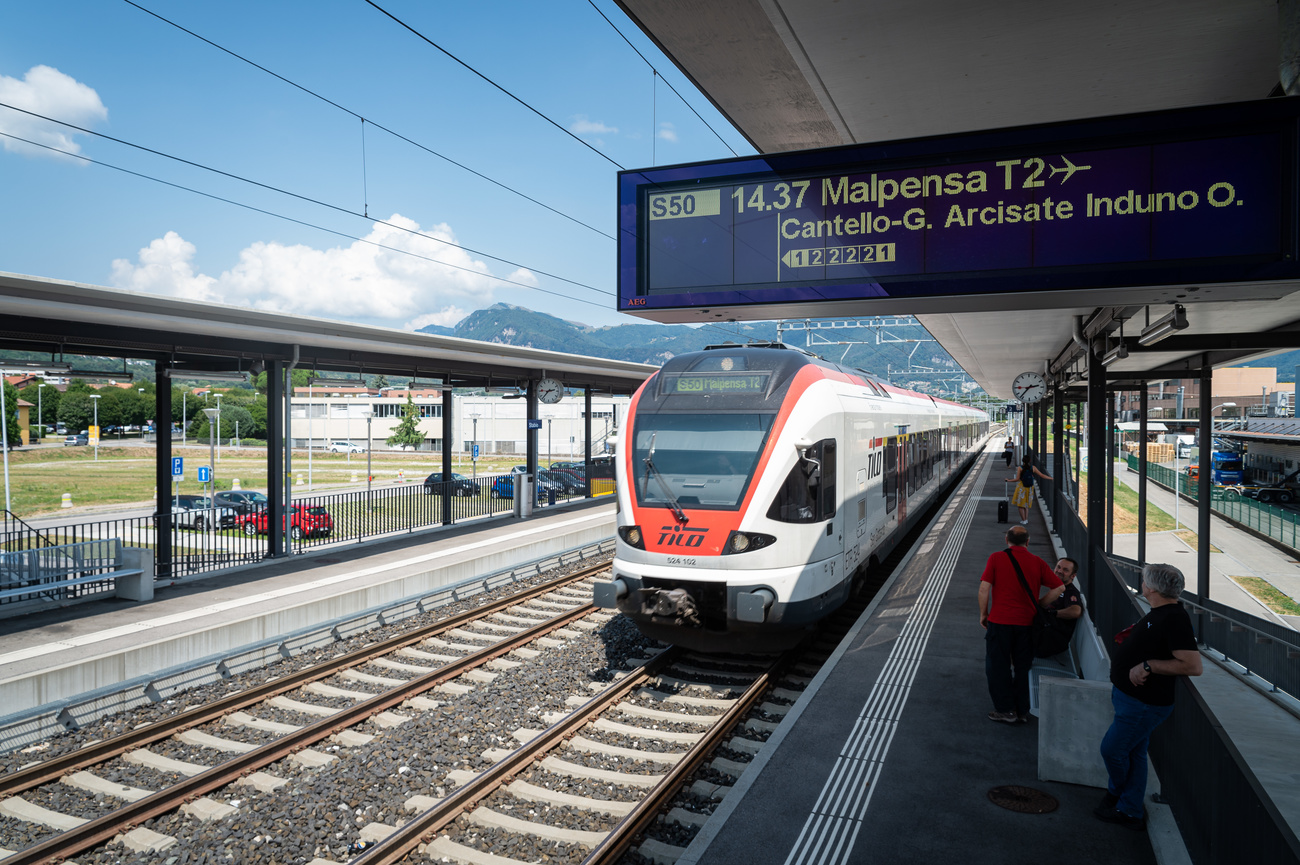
[790,227]
[714,383]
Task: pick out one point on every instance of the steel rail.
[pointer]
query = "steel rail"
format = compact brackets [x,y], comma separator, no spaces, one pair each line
[56,767]
[407,838]
[103,829]
[647,810]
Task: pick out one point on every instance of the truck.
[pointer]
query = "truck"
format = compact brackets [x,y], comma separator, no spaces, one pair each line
[1226,469]
[1283,492]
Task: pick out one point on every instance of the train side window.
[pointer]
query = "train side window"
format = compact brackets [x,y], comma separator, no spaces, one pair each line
[809,488]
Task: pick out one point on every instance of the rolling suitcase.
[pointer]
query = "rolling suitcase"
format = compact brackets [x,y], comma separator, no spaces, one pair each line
[1004,506]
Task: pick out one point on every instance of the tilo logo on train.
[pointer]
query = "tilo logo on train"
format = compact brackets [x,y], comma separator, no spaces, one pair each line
[676,536]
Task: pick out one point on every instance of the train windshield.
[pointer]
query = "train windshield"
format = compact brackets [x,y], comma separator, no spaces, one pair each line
[699,460]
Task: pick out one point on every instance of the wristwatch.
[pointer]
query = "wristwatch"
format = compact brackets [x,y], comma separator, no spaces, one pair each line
[1146,666]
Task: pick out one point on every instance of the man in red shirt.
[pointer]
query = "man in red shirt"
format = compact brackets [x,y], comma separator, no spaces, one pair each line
[1007,614]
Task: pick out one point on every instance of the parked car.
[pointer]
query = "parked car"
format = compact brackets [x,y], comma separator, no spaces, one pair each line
[242,501]
[504,488]
[562,481]
[78,439]
[304,522]
[345,448]
[197,513]
[460,485]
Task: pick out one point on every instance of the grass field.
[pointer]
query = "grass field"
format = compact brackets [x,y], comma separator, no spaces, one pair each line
[1126,507]
[1269,595]
[125,474]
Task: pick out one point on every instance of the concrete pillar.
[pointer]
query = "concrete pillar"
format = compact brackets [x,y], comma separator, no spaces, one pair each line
[138,587]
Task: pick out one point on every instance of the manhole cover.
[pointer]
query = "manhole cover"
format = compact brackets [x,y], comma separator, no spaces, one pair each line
[1025,800]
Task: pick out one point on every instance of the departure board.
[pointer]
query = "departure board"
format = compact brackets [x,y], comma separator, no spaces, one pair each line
[1143,200]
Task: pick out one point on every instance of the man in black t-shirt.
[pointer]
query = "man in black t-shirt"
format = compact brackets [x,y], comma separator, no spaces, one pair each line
[1069,606]
[1160,646]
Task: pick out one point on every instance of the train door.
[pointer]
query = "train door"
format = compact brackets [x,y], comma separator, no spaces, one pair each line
[890,482]
[904,478]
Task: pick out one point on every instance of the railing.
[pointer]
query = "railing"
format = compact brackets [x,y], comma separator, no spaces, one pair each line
[1273,522]
[1223,812]
[199,547]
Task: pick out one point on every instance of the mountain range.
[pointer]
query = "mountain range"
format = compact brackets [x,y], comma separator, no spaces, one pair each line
[897,353]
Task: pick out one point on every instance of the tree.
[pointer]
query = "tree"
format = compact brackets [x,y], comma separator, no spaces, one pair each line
[46,399]
[379,382]
[408,431]
[76,410]
[12,429]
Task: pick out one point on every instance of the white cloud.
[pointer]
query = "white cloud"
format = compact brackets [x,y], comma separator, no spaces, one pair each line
[359,282]
[667,132]
[446,318]
[582,126]
[47,91]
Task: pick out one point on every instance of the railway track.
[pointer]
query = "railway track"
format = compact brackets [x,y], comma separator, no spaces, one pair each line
[401,674]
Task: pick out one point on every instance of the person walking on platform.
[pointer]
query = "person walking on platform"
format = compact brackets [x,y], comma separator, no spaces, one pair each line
[1009,452]
[1023,497]
[1159,647]
[1012,579]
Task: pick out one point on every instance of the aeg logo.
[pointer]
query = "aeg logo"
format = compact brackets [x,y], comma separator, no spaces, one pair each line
[676,536]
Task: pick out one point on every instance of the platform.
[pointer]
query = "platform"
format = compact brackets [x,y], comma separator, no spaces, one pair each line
[889,756]
[68,652]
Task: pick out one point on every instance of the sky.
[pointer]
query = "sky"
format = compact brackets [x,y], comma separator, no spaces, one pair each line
[342,219]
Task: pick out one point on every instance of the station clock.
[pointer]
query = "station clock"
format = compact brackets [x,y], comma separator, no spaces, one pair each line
[1029,387]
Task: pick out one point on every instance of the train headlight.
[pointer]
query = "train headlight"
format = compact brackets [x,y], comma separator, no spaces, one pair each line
[631,536]
[744,542]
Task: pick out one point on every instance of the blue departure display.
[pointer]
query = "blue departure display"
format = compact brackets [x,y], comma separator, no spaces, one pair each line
[848,223]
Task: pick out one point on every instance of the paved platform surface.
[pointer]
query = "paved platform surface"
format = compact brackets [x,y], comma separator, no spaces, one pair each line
[55,655]
[892,758]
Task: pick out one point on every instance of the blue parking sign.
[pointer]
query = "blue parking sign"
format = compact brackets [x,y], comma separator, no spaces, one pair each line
[475,451]
[178,467]
[205,474]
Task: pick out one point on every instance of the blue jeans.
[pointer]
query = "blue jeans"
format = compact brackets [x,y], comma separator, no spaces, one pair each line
[1007,646]
[1124,749]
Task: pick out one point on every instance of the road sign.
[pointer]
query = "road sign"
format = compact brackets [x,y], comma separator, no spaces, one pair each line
[205,474]
[534,423]
[475,451]
[178,467]
[93,435]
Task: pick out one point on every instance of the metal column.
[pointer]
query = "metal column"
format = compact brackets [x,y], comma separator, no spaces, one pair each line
[1096,509]
[586,439]
[162,554]
[1142,475]
[1111,418]
[1058,456]
[276,467]
[447,441]
[1205,480]
[533,414]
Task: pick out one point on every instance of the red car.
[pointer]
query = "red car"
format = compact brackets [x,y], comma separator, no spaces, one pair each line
[304,522]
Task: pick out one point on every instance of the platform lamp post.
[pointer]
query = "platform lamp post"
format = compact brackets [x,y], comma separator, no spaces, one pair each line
[473,459]
[368,415]
[218,396]
[96,397]
[40,408]
[185,422]
[213,414]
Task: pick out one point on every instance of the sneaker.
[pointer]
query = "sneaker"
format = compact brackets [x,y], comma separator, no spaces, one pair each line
[1022,717]
[1112,815]
[1024,522]
[1004,717]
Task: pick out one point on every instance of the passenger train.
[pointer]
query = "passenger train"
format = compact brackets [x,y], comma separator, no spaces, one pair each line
[756,483]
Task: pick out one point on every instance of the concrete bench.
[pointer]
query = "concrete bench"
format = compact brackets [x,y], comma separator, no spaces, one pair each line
[133,581]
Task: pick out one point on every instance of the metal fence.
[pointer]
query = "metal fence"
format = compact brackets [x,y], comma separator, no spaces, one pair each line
[1223,812]
[199,546]
[1280,524]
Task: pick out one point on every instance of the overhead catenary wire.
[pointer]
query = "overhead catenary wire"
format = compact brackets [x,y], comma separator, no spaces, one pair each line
[371,121]
[304,223]
[433,44]
[665,80]
[305,198]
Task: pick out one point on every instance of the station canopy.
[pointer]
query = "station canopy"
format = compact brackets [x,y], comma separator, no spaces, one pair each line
[884,108]
[59,318]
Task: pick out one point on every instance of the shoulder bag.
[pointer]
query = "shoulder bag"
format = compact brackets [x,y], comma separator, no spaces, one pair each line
[1050,635]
